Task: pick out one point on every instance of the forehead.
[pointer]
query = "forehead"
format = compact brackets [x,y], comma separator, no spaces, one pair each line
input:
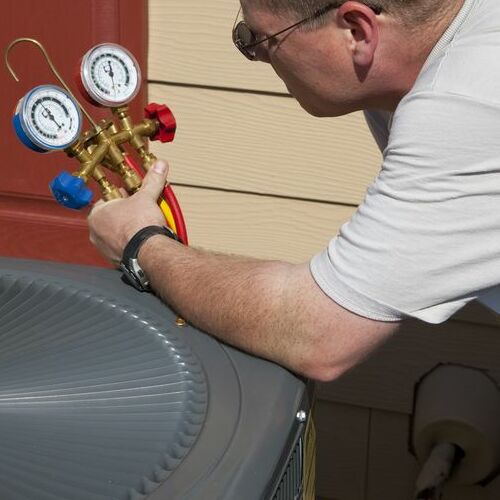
[259,16]
[248,5]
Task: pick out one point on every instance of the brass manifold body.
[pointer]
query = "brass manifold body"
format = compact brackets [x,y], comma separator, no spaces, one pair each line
[103,146]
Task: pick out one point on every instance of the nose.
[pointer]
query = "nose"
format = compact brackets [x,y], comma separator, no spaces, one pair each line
[262,54]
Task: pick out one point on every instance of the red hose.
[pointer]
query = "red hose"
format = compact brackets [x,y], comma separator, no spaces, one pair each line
[170,198]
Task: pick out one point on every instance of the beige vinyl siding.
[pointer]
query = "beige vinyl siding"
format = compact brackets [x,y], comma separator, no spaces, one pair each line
[266,144]
[190,43]
[257,176]
[266,227]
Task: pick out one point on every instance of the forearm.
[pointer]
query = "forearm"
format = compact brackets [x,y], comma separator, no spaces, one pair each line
[271,309]
[244,302]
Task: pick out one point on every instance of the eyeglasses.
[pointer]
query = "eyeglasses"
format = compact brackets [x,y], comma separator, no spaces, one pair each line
[245,40]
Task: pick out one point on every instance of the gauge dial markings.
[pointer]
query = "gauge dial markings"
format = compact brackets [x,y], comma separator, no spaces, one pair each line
[50,118]
[110,75]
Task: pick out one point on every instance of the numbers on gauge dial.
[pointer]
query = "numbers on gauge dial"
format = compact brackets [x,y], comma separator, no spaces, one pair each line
[52,117]
[110,74]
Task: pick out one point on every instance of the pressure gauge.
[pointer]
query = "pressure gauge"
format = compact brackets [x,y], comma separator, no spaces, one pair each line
[109,75]
[47,119]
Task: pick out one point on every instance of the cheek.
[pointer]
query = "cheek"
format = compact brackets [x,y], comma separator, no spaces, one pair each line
[294,69]
[297,81]
[303,87]
[290,74]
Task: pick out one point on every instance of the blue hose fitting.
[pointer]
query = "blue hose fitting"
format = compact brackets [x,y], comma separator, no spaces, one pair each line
[70,191]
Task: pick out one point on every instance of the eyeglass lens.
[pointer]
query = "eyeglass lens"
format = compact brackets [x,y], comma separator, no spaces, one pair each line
[244,34]
[242,37]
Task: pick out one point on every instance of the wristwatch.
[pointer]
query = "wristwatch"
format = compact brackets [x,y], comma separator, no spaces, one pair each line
[133,274]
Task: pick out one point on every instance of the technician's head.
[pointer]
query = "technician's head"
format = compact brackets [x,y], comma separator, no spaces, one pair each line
[341,56]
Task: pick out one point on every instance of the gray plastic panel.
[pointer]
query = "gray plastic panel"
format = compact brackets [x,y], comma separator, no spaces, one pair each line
[103,397]
[90,392]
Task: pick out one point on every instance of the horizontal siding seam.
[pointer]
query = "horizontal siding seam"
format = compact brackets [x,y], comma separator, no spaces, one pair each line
[219,88]
[263,195]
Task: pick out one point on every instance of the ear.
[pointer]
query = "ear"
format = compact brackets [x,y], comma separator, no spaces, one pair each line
[362,23]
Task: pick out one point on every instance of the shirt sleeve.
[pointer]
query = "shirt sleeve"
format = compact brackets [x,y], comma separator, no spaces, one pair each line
[426,239]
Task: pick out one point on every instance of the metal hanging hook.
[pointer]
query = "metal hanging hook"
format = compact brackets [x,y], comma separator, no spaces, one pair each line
[52,68]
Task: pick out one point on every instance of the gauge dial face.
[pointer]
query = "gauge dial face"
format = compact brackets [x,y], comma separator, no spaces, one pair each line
[50,117]
[110,75]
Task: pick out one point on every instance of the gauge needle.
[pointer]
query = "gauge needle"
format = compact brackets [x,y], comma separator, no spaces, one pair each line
[48,114]
[111,74]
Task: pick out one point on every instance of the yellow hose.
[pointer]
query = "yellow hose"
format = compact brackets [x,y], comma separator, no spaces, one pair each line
[168,215]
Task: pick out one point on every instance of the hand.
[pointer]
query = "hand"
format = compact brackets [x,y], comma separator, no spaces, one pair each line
[113,223]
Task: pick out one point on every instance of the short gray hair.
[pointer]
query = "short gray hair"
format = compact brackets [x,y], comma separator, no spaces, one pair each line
[411,12]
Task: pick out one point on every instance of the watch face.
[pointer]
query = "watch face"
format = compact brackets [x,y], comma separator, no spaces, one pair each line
[129,264]
[134,275]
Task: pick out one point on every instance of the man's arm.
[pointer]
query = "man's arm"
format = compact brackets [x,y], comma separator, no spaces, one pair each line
[271,309]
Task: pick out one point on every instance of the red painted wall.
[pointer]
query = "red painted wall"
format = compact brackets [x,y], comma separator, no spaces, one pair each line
[32,225]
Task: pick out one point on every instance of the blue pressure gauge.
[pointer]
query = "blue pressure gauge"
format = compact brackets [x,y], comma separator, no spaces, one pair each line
[47,119]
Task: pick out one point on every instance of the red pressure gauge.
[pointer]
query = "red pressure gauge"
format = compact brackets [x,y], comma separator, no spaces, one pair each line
[109,75]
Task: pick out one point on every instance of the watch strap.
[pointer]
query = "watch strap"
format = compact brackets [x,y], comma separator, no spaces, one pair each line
[132,272]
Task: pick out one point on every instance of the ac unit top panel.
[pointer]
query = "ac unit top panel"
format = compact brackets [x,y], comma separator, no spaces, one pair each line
[103,397]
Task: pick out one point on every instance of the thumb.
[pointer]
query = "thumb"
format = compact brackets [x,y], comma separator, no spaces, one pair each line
[154,181]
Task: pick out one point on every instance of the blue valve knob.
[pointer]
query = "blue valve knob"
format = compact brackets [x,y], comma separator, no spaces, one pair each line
[70,191]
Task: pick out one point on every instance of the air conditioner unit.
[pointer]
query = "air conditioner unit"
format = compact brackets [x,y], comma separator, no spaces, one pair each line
[103,396]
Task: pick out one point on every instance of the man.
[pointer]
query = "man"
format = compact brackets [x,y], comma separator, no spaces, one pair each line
[426,239]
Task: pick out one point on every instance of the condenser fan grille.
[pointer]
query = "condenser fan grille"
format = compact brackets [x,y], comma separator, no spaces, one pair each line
[97,402]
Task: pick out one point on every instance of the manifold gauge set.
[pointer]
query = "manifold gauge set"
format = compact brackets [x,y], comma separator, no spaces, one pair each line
[50,118]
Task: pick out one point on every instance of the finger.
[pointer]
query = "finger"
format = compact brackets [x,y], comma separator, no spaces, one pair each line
[154,181]
[98,204]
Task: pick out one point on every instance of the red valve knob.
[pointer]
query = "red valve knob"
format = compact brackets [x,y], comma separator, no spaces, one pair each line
[165,117]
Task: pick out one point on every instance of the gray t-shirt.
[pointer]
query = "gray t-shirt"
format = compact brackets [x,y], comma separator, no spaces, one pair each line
[426,239]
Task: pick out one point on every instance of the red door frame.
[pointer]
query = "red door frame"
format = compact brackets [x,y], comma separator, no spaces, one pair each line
[32,225]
